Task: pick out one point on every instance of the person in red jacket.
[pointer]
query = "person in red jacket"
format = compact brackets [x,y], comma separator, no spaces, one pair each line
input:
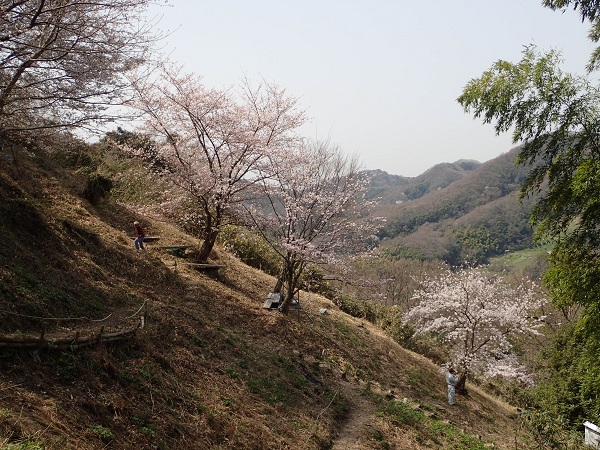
[139,236]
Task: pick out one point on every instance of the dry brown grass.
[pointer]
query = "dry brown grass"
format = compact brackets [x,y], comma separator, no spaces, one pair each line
[212,369]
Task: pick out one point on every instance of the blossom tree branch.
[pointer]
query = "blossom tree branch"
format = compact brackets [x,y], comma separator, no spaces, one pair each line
[62,62]
[478,316]
[217,144]
[314,211]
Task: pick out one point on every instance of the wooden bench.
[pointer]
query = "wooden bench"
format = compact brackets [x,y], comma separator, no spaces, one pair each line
[176,250]
[211,269]
[148,238]
[273,301]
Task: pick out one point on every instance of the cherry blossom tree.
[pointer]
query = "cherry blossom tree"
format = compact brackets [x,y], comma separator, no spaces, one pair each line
[314,211]
[62,62]
[217,144]
[479,316]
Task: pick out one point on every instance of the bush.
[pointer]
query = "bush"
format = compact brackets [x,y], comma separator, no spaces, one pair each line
[313,280]
[360,309]
[98,186]
[103,433]
[250,248]
[550,432]
[427,345]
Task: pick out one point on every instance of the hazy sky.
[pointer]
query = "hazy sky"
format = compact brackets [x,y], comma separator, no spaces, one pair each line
[379,78]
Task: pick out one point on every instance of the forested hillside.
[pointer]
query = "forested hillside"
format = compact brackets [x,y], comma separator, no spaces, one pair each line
[394,188]
[456,212]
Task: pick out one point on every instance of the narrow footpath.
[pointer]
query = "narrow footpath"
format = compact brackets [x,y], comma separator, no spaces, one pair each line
[357,431]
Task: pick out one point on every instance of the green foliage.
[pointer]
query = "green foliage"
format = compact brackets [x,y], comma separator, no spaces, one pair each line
[144,425]
[98,187]
[396,329]
[572,389]
[22,445]
[76,157]
[130,180]
[556,115]
[549,432]
[531,262]
[476,246]
[103,433]
[428,429]
[137,143]
[430,346]
[417,190]
[136,185]
[402,413]
[574,277]
[404,252]
[313,280]
[588,10]
[251,249]
[360,309]
[232,372]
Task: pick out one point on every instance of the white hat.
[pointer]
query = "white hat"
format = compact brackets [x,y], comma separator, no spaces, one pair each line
[136,223]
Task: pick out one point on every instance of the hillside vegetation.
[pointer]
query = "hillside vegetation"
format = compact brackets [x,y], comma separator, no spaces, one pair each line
[210,369]
[455,212]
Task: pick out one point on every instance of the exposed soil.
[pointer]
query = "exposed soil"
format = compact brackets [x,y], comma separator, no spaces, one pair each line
[358,428]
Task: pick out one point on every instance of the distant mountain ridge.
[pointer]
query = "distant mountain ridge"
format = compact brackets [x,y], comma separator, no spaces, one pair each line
[437,177]
[458,211]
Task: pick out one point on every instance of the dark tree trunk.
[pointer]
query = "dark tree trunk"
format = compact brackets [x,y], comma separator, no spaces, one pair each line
[460,384]
[211,231]
[278,284]
[290,275]
[207,246]
[287,301]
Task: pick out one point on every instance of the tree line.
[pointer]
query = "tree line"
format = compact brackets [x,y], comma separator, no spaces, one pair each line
[554,114]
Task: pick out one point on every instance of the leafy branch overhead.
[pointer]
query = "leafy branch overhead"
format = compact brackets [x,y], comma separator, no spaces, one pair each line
[556,117]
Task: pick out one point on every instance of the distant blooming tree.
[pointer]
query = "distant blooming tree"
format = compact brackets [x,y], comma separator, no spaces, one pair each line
[313,211]
[63,62]
[215,144]
[478,316]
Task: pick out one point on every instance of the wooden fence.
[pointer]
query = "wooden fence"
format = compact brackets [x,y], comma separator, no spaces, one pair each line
[75,339]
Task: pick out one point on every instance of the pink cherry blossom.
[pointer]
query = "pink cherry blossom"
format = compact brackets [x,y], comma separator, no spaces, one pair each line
[314,211]
[478,315]
[216,144]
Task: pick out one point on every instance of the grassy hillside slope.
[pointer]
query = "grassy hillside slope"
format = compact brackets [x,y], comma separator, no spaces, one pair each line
[210,369]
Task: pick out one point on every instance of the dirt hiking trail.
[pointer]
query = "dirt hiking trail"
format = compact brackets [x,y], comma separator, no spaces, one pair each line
[357,429]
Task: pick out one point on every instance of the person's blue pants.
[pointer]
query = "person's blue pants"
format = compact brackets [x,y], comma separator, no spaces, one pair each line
[139,243]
